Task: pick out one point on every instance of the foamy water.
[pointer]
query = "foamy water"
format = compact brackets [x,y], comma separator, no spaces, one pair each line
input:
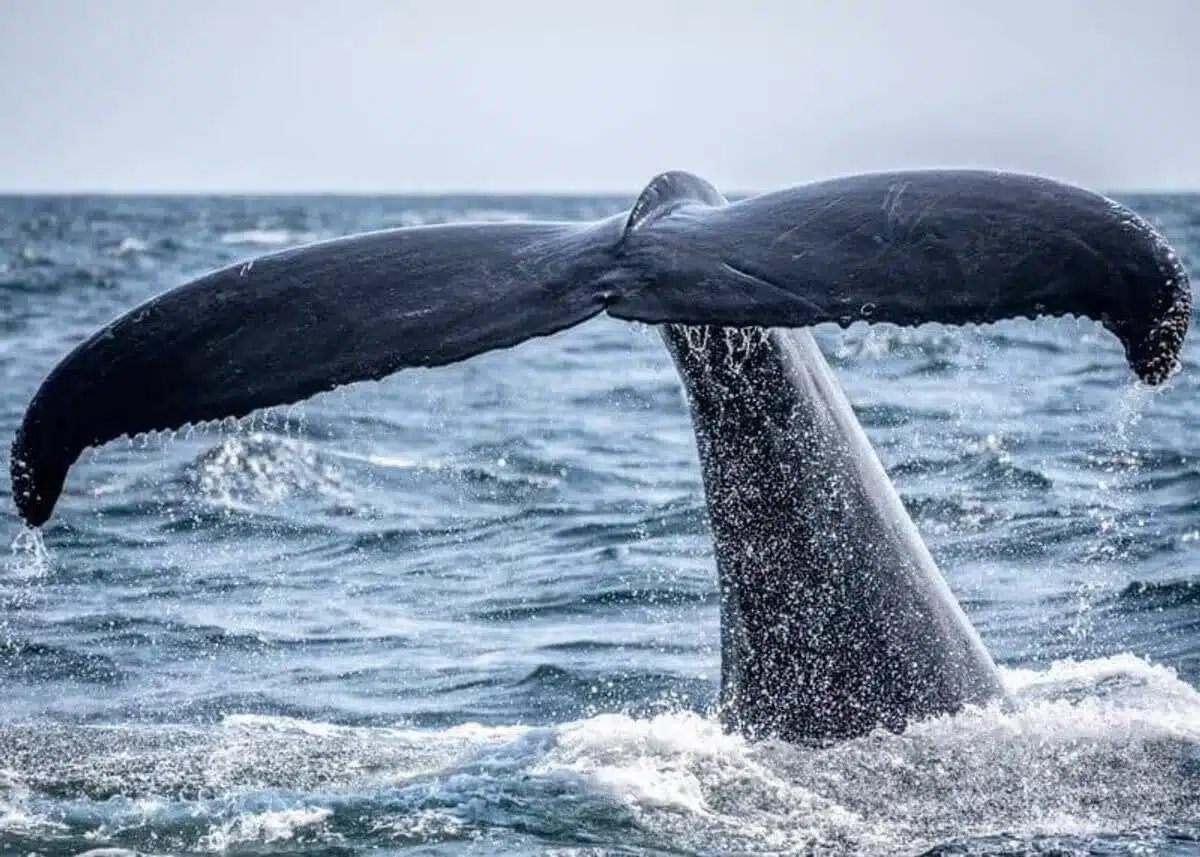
[1089,748]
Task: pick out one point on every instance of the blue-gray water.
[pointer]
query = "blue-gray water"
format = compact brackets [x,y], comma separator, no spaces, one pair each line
[472,610]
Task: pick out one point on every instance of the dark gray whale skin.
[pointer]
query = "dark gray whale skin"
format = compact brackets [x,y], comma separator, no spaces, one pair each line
[834,617]
[835,620]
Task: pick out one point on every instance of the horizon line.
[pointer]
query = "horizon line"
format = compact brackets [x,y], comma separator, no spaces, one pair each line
[11,192]
[451,192]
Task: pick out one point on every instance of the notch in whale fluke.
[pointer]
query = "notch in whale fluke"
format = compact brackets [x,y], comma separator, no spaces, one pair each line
[907,248]
[666,192]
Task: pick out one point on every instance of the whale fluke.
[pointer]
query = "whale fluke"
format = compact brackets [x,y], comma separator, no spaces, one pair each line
[949,246]
[907,248]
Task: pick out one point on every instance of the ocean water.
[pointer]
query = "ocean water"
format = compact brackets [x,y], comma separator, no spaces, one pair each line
[472,610]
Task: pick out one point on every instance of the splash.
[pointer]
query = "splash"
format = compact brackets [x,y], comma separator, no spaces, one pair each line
[1092,748]
[261,468]
[1115,513]
[28,557]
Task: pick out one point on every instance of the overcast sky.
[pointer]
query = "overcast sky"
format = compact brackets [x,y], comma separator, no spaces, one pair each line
[391,95]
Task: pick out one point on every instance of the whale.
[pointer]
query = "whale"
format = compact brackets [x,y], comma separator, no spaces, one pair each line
[835,618]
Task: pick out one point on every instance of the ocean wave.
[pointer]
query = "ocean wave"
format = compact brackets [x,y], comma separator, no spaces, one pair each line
[268,237]
[27,660]
[551,604]
[130,246]
[617,527]
[1161,595]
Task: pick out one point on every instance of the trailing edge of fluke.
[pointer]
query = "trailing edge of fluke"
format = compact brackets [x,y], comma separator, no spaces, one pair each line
[951,246]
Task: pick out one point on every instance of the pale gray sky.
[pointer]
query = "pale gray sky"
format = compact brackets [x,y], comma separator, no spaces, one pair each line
[392,95]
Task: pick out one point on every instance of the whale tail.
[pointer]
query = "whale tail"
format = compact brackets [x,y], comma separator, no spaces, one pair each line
[906,248]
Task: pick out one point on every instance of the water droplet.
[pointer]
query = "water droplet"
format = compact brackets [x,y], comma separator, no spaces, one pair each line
[867,310]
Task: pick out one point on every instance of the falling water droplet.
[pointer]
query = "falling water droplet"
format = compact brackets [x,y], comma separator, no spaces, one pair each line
[28,557]
[867,310]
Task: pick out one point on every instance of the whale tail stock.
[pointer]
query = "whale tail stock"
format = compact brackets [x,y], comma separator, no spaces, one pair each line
[906,248]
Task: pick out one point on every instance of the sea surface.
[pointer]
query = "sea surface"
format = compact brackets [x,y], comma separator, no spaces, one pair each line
[472,610]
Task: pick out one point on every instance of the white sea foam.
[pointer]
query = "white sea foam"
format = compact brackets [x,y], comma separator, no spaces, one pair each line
[268,828]
[130,246]
[268,237]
